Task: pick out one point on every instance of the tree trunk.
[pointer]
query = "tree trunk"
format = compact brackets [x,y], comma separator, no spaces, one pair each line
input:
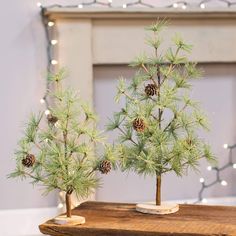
[68,204]
[158,190]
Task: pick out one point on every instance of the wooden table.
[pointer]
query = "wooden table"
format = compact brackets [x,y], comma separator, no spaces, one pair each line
[116,219]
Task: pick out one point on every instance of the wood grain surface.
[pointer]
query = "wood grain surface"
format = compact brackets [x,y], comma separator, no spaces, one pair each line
[117,219]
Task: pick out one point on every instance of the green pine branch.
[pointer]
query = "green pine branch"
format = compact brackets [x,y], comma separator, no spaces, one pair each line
[58,151]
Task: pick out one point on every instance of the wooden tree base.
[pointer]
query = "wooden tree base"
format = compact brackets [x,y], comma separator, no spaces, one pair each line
[152,208]
[73,220]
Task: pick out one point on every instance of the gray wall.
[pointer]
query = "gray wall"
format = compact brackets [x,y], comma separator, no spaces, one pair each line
[23,62]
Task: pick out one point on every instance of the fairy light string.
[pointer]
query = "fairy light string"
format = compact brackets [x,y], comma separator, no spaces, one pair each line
[218,170]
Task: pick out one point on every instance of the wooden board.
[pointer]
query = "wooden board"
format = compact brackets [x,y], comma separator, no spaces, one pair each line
[116,219]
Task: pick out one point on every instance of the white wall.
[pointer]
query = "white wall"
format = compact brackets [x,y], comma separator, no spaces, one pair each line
[22,63]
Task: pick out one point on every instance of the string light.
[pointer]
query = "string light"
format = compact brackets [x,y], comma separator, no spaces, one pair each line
[223,183]
[204,200]
[60,205]
[54,62]
[54,42]
[209,168]
[39,4]
[57,124]
[175,5]
[47,112]
[217,171]
[228,3]
[202,5]
[201,180]
[179,4]
[51,23]
[225,146]
[42,101]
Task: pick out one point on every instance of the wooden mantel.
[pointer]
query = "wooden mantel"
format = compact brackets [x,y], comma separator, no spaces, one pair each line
[116,219]
[139,13]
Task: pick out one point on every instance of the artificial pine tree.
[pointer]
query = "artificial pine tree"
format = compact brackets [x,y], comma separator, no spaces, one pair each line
[159,123]
[57,150]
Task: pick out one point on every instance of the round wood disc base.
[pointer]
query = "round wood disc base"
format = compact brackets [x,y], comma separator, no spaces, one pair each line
[73,220]
[152,208]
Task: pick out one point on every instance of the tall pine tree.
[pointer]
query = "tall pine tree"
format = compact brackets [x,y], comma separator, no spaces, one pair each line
[159,123]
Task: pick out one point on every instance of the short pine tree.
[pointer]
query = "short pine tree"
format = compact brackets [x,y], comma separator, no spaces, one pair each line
[59,153]
[158,124]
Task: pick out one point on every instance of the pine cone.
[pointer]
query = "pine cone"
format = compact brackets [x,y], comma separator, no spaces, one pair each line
[52,119]
[151,89]
[139,125]
[105,167]
[189,141]
[29,160]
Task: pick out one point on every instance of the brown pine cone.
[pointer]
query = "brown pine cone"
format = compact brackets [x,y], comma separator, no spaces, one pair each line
[151,89]
[105,167]
[52,119]
[29,160]
[189,141]
[139,125]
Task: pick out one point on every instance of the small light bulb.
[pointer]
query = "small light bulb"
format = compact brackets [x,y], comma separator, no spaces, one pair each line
[54,42]
[184,6]
[202,5]
[42,100]
[202,180]
[223,183]
[54,62]
[51,23]
[46,140]
[39,4]
[124,6]
[225,146]
[175,5]
[209,168]
[57,124]
[204,200]
[60,205]
[80,6]
[234,165]
[47,112]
